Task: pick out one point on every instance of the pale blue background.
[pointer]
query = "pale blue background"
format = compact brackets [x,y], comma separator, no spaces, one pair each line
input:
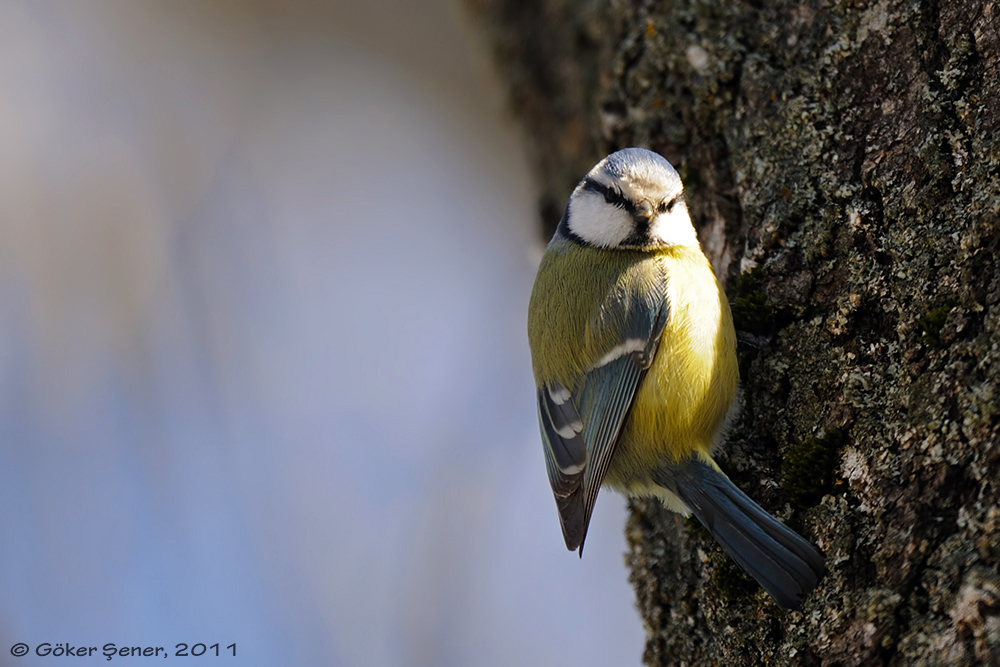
[263,371]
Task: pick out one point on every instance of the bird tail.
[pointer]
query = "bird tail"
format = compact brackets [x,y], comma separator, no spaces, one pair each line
[784,563]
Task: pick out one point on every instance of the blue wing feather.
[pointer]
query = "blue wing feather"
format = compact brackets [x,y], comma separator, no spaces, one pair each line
[565,457]
[607,394]
[600,403]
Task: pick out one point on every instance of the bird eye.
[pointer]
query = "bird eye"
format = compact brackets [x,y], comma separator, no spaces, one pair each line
[666,206]
[610,196]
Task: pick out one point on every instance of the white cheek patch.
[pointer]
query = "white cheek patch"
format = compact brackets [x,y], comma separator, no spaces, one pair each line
[674,227]
[598,222]
[618,351]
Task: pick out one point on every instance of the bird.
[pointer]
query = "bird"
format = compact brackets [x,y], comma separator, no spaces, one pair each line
[633,352]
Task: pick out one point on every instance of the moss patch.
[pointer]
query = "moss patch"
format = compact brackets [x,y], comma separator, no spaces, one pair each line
[752,312]
[730,579]
[809,468]
[696,528]
[933,322]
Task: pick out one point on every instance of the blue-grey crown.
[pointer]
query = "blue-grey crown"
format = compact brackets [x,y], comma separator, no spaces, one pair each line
[630,161]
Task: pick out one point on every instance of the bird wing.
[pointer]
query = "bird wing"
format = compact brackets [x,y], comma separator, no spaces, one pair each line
[580,424]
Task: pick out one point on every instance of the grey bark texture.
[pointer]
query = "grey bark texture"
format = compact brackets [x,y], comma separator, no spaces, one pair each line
[842,164]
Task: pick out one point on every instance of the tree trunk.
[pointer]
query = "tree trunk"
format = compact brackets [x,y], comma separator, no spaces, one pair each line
[842,165]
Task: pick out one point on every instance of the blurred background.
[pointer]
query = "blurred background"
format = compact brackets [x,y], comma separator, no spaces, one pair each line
[264,375]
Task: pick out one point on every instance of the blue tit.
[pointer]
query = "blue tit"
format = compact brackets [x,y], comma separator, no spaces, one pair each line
[634,356]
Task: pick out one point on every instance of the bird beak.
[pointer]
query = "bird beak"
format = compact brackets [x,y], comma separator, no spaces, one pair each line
[644,211]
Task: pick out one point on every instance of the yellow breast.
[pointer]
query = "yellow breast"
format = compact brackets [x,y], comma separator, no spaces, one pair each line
[687,392]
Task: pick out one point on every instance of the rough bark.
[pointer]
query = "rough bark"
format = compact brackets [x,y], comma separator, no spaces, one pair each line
[842,163]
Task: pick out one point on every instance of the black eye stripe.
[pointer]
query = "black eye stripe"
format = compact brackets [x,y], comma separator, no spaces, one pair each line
[616,198]
[610,195]
[667,206]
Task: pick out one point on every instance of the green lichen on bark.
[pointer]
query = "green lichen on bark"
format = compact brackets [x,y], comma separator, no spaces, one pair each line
[848,154]
[752,312]
[933,323]
[809,468]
